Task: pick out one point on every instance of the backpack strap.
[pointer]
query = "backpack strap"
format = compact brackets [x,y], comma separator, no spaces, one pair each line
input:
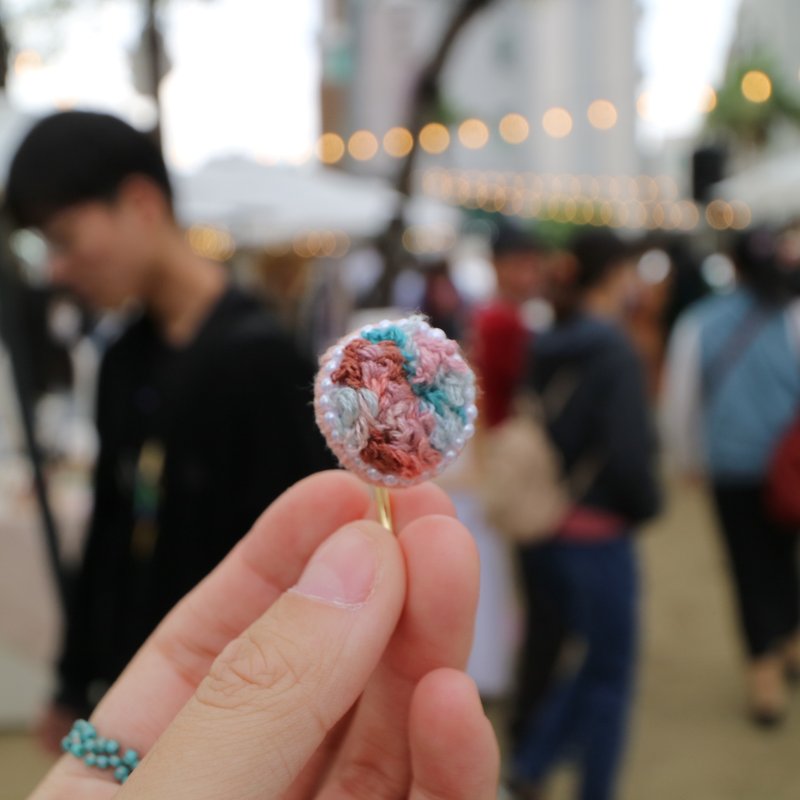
[733,348]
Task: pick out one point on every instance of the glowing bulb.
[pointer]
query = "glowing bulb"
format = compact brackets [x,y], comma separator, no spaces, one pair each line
[330,148]
[362,145]
[719,215]
[742,216]
[514,128]
[27,60]
[644,106]
[756,86]
[557,122]
[210,242]
[708,100]
[434,138]
[398,142]
[473,134]
[602,114]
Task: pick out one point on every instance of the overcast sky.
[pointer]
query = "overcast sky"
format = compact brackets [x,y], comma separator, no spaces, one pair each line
[245,73]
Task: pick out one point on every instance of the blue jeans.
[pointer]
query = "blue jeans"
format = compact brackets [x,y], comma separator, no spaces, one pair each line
[585,713]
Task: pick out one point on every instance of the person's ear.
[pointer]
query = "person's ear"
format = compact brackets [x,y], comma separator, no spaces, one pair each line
[145,198]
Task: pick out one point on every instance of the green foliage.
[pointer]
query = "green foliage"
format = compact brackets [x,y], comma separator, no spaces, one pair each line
[748,122]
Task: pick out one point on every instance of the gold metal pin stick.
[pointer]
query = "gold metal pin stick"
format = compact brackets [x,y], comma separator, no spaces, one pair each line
[383,502]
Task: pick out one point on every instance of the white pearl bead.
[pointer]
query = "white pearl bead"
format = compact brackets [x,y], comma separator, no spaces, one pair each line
[330,417]
[472,413]
[469,430]
[324,400]
[390,480]
[326,383]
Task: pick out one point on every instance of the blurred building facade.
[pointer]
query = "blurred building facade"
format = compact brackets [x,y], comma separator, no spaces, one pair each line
[528,57]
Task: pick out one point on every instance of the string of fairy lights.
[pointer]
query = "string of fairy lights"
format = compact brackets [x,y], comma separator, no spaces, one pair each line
[640,202]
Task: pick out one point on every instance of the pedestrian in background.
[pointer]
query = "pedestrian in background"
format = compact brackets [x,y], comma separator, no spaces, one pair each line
[733,390]
[203,405]
[497,342]
[588,569]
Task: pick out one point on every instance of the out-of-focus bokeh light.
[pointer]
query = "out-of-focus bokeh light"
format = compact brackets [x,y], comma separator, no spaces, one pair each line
[397,142]
[644,105]
[718,272]
[647,187]
[473,134]
[429,239]
[363,145]
[514,128]
[708,100]
[434,138]
[654,266]
[756,86]
[667,187]
[27,60]
[742,216]
[719,215]
[557,122]
[330,148]
[211,242]
[690,216]
[602,114]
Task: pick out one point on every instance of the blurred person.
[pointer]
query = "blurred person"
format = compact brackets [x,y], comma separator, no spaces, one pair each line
[309,666]
[498,342]
[733,390]
[441,301]
[647,312]
[203,405]
[499,336]
[587,571]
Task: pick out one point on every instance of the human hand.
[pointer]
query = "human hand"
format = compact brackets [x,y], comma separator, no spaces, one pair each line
[346,686]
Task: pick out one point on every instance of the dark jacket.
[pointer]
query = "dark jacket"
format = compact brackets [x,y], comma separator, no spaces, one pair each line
[194,443]
[605,416]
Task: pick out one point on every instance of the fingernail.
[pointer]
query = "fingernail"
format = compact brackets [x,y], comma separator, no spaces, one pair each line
[343,571]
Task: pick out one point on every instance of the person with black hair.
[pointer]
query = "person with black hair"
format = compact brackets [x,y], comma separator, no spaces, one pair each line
[592,381]
[732,391]
[203,405]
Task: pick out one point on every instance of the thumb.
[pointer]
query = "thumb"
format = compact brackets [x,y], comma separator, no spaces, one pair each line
[275,691]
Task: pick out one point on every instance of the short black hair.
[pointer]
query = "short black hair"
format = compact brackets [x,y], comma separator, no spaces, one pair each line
[75,157]
[756,253]
[510,239]
[598,253]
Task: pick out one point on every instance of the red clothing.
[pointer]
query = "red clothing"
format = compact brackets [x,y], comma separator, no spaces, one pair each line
[584,524]
[499,344]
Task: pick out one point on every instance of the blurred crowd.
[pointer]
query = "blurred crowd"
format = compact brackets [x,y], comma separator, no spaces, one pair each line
[595,356]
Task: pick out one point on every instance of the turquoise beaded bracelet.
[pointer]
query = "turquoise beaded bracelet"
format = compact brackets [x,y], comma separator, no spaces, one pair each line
[97,751]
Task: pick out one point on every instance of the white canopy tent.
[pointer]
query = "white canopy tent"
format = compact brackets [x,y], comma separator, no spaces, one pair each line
[770,188]
[260,205]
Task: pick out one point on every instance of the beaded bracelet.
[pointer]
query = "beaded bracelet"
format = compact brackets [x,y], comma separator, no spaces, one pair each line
[97,751]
